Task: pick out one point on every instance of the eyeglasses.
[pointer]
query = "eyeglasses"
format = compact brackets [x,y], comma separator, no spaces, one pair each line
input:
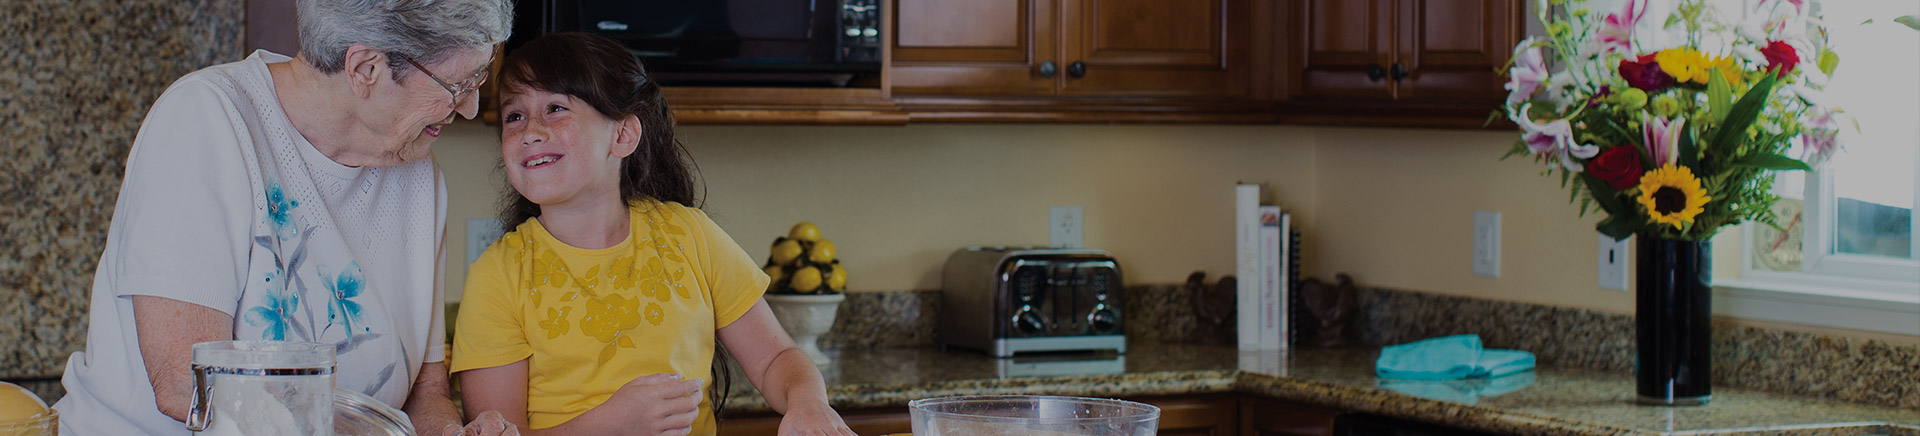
[458,90]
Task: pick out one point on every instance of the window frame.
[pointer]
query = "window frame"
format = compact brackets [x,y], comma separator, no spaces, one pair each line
[1842,290]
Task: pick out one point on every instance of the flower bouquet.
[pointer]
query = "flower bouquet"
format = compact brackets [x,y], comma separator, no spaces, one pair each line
[1669,119]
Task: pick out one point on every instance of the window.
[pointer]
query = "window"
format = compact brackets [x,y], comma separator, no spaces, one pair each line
[1846,256]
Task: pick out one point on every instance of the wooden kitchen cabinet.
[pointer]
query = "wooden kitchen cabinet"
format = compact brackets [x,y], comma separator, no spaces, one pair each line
[1261,416]
[1103,48]
[863,422]
[1398,62]
[1204,415]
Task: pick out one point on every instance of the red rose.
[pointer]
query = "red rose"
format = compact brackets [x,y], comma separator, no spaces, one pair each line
[1782,56]
[1645,74]
[1619,166]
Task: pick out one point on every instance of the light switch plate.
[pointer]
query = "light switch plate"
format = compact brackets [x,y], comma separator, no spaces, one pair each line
[1486,243]
[1613,262]
[1065,229]
[481,232]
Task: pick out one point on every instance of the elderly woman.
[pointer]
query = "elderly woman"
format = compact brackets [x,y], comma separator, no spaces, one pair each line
[290,199]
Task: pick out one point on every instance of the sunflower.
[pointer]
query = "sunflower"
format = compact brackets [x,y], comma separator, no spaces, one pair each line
[1672,195]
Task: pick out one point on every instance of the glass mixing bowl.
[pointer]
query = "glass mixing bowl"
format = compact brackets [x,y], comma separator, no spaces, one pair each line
[1031,416]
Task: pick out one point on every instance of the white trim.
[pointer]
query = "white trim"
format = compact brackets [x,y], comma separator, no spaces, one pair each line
[1835,304]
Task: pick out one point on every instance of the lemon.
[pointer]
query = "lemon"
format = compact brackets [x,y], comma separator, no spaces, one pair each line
[822,252]
[776,273]
[804,231]
[806,280]
[837,278]
[785,251]
[18,404]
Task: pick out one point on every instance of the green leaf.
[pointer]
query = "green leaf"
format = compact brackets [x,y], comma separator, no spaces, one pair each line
[1828,61]
[1770,161]
[1910,21]
[1618,227]
[1605,196]
[1728,133]
[1719,96]
[1687,152]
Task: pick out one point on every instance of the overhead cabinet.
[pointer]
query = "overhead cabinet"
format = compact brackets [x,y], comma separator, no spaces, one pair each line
[1399,62]
[1088,48]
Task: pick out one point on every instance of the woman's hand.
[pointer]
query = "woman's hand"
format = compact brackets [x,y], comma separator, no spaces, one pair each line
[813,421]
[489,423]
[658,404]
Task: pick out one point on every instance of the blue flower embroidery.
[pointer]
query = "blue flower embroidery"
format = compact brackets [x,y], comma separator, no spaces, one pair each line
[276,315]
[280,210]
[344,287]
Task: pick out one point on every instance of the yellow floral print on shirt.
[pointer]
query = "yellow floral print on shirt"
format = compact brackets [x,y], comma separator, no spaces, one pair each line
[611,297]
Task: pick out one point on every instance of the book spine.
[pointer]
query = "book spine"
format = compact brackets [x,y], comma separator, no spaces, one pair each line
[1272,272]
[1246,217]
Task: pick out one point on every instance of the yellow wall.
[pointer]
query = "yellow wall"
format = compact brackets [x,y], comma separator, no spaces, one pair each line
[897,200]
[1393,207]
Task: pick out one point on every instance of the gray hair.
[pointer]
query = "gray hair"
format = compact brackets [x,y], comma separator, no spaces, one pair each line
[426,30]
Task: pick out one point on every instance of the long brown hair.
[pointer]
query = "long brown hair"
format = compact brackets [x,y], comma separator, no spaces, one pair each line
[600,72]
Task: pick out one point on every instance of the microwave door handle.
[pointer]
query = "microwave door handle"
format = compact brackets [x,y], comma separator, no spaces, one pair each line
[1074,280]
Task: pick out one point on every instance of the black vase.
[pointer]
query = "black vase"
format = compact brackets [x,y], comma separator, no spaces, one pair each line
[1673,301]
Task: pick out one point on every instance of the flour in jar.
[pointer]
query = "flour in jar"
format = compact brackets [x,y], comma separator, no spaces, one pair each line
[271,406]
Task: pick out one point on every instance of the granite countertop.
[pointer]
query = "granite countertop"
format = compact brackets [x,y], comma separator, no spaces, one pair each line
[1549,401]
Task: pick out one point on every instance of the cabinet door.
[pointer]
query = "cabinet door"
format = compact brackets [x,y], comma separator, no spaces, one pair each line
[1342,49]
[1209,415]
[974,47]
[1269,417]
[865,422]
[1451,49]
[1155,47]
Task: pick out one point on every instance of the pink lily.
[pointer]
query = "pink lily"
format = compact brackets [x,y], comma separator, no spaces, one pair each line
[1818,144]
[1554,140]
[1662,137]
[1616,33]
[1529,71]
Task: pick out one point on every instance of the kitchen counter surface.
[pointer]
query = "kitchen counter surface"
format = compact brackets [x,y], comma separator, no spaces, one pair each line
[1548,401]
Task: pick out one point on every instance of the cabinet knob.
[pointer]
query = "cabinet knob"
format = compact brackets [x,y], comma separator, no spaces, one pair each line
[1077,69]
[1047,69]
[1374,73]
[1399,72]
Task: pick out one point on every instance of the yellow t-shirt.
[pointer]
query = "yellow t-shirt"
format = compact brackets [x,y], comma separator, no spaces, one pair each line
[589,321]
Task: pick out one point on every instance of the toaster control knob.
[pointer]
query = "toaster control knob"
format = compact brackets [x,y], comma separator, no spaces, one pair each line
[1104,321]
[1029,324]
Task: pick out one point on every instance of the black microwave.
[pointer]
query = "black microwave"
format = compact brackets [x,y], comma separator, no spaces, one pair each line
[725,42]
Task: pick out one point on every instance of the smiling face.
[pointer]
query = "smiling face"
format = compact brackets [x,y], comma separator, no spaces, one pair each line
[558,150]
[422,107]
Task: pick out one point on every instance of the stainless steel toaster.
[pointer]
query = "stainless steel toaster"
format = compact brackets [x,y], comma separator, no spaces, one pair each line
[1006,300]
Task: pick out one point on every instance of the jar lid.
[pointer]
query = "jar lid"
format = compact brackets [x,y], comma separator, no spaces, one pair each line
[355,414]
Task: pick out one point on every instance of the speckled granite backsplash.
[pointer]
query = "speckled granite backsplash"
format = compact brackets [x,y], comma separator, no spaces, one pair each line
[76,77]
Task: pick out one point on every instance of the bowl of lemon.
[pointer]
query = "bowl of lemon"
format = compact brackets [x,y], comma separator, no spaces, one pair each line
[807,287]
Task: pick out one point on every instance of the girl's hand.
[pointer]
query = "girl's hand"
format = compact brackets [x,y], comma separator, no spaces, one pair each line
[659,404]
[489,423]
[817,420]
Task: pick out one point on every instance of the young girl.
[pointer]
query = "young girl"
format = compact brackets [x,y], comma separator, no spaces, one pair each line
[599,311]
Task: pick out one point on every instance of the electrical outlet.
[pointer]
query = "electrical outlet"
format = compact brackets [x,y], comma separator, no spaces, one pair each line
[481,232]
[1064,227]
[1486,243]
[1613,263]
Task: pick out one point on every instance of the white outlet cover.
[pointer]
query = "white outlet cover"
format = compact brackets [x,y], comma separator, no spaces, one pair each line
[1613,262]
[1066,227]
[481,232]
[1486,244]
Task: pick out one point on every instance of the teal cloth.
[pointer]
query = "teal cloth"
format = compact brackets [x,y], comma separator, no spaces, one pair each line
[1449,358]
[1467,391]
